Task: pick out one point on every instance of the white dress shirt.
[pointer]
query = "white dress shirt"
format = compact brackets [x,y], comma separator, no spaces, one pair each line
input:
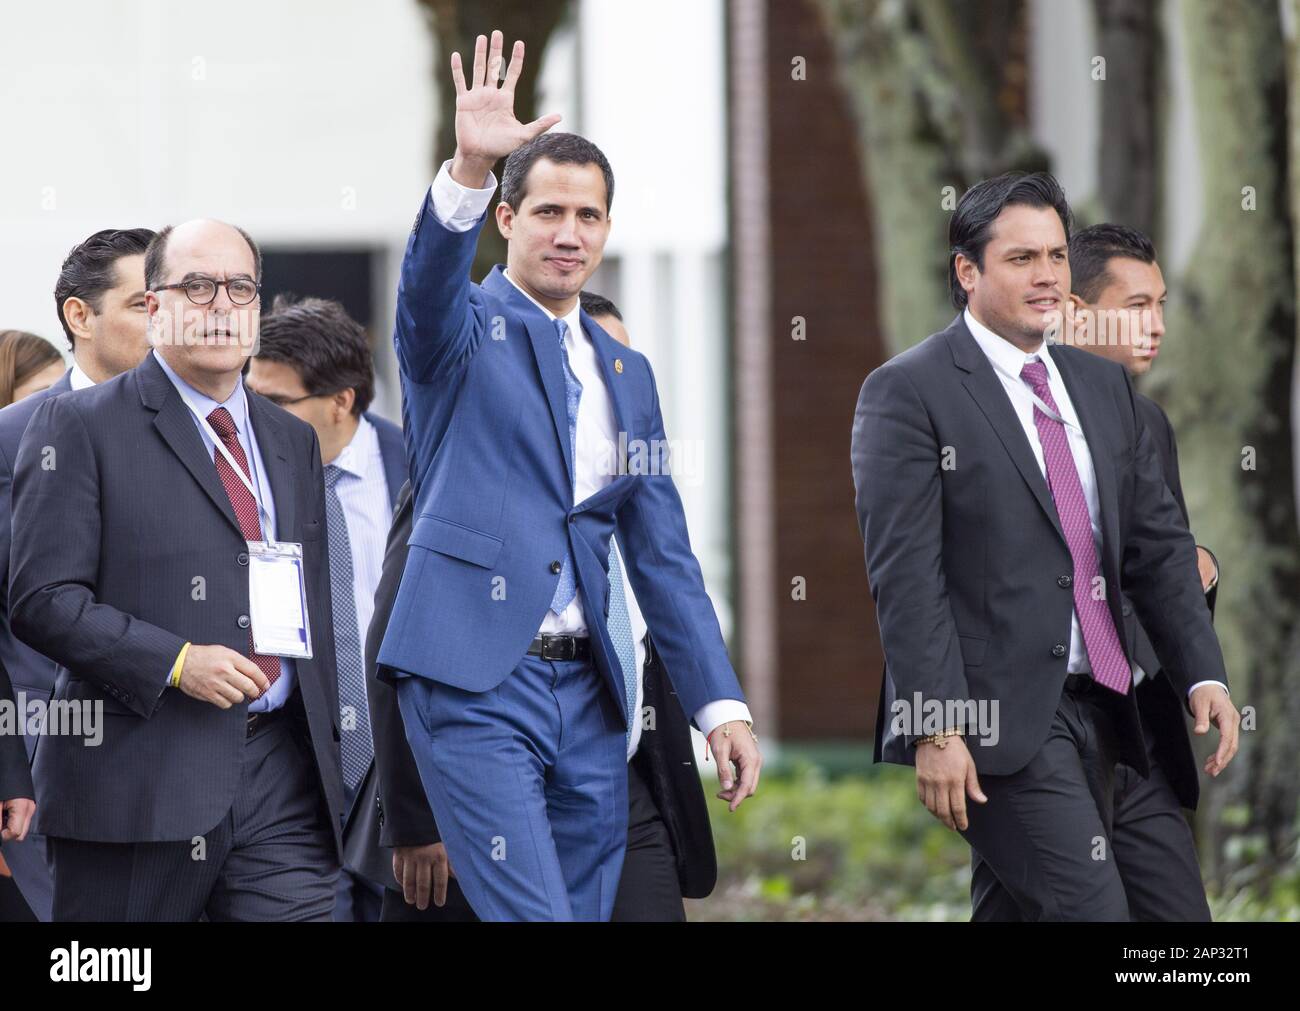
[363,492]
[459,208]
[237,404]
[79,379]
[1007,361]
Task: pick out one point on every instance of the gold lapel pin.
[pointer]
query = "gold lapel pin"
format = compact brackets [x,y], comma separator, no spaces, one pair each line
[618,365]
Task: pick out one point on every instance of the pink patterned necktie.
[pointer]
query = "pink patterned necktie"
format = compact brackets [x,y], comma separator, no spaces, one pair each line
[245,506]
[1109,666]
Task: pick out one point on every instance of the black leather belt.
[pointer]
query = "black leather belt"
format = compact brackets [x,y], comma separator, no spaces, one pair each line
[259,721]
[561,647]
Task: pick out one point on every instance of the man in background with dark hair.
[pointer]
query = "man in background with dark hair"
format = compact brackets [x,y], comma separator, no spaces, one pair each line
[1008,495]
[99,298]
[1118,299]
[314,360]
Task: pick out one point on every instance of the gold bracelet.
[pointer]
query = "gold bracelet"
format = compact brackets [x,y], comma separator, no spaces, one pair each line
[940,740]
[726,728]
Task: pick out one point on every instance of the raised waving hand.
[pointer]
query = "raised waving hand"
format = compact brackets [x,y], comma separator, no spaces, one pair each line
[486,127]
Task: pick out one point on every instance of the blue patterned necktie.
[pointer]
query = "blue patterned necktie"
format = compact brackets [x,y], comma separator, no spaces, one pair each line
[619,627]
[567,588]
[356,744]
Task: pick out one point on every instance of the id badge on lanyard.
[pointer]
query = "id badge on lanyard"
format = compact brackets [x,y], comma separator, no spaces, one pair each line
[277,598]
[277,589]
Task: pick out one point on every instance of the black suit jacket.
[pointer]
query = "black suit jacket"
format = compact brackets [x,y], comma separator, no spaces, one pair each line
[969,568]
[125,547]
[400,814]
[1164,714]
[361,852]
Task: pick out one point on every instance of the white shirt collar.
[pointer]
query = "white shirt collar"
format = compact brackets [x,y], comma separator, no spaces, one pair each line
[573,318]
[79,380]
[357,457]
[1002,353]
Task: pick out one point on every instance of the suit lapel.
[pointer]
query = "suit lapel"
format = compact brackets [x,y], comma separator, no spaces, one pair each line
[608,351]
[986,389]
[545,340]
[178,429]
[550,366]
[274,447]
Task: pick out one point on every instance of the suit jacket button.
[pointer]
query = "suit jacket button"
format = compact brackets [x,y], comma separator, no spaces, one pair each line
[1126,609]
[1064,581]
[242,558]
[242,622]
[556,568]
[1058,650]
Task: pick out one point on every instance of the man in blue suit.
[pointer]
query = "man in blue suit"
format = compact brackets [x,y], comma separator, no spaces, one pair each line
[533,436]
[99,296]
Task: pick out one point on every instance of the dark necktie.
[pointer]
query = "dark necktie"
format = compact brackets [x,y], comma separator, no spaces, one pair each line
[566,588]
[357,746]
[1100,640]
[245,506]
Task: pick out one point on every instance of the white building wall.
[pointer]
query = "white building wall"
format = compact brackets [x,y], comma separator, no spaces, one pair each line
[311,123]
[308,123]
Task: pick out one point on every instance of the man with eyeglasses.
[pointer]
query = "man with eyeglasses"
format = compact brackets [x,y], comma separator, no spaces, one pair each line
[170,556]
[314,360]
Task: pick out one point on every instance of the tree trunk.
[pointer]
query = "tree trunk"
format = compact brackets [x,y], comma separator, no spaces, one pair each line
[937,93]
[1227,381]
[1128,36]
[455,25]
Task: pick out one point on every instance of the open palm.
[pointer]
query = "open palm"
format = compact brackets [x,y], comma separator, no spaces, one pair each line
[486,127]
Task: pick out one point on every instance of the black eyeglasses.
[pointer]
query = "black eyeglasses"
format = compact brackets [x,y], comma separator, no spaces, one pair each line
[202,290]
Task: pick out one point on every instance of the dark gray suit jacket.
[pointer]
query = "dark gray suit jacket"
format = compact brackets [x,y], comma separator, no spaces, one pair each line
[125,546]
[968,565]
[15,776]
[361,828]
[30,672]
[1164,714]
[31,675]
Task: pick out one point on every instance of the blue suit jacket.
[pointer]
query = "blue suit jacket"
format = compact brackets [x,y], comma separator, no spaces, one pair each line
[488,441]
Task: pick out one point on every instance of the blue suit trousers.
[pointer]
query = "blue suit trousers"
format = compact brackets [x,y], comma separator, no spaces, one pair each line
[528,784]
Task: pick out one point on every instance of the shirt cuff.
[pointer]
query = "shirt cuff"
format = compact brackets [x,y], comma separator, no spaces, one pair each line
[1199,683]
[458,207]
[712,715]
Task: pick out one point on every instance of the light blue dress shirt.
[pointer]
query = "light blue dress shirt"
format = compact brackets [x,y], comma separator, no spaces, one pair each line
[237,405]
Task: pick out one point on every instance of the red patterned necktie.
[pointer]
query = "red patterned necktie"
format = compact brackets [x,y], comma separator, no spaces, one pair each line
[1100,640]
[245,506]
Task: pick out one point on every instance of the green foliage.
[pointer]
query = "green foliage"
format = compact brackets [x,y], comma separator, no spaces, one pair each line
[872,852]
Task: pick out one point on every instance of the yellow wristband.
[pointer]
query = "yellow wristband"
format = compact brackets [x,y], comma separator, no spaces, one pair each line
[175,679]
